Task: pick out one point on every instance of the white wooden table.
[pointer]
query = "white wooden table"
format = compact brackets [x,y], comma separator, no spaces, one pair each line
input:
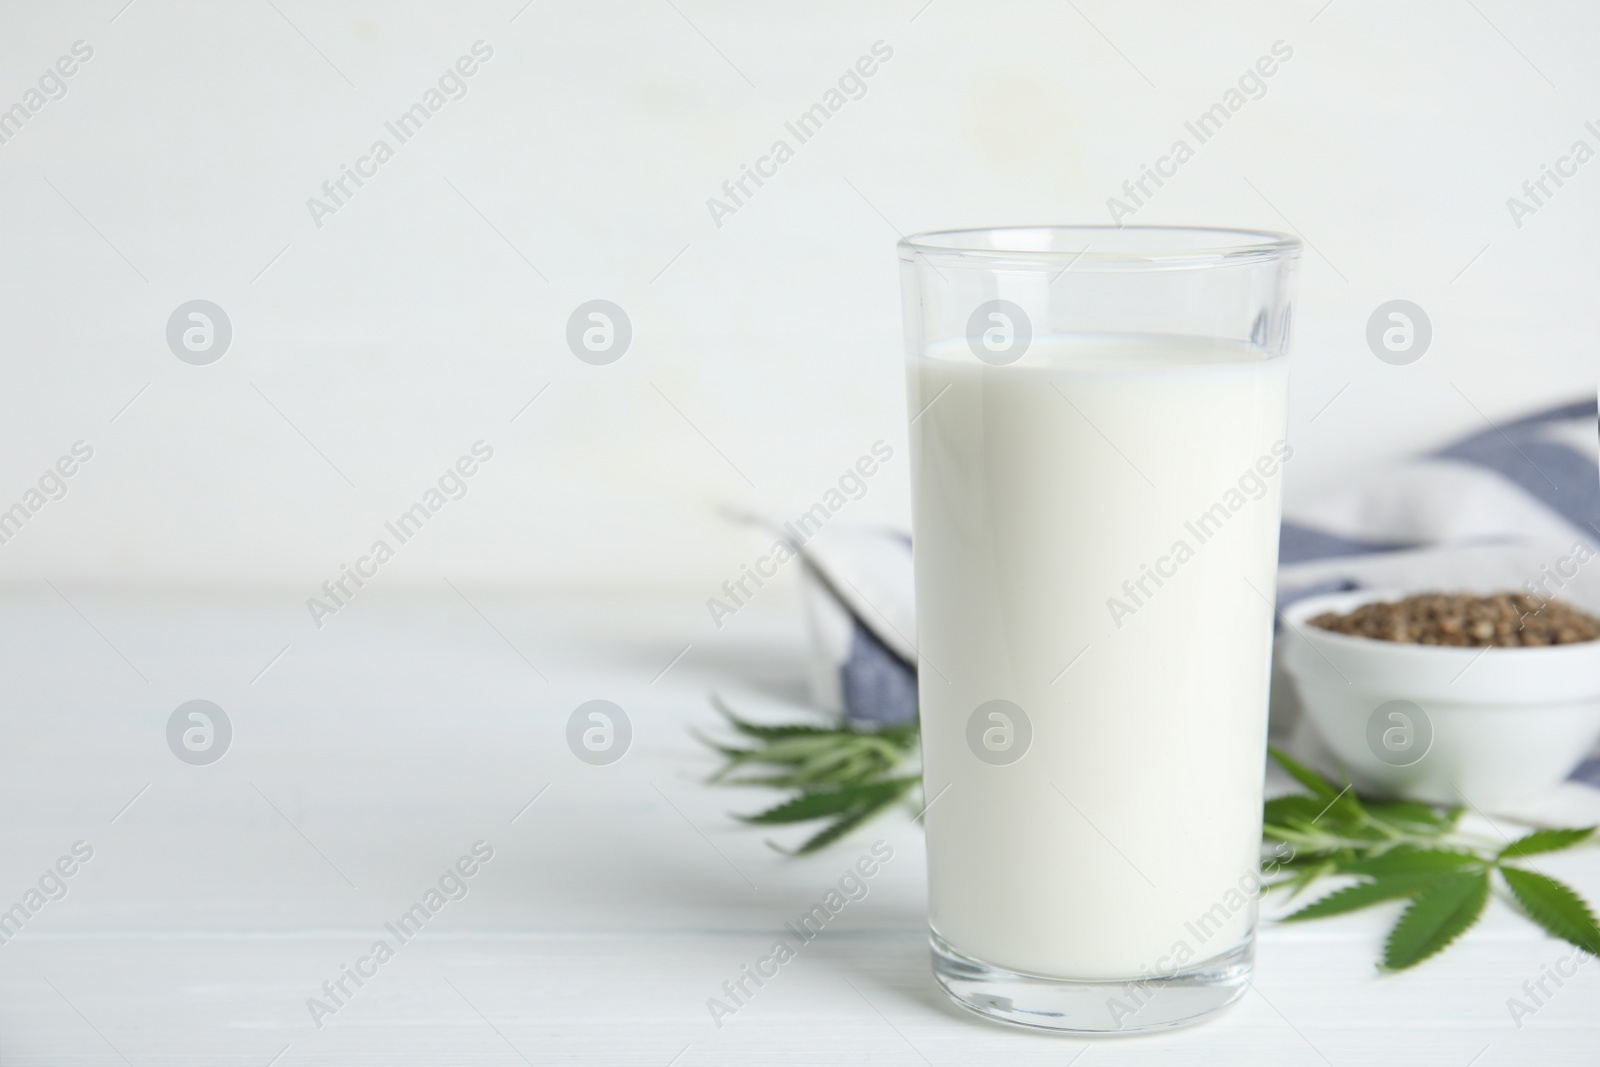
[375,752]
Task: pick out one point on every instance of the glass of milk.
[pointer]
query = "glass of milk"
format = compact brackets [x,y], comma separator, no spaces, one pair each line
[1097,424]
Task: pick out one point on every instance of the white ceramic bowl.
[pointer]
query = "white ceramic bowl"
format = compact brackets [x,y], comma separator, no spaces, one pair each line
[1443,724]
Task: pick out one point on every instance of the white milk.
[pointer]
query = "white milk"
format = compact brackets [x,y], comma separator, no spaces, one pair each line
[1125,841]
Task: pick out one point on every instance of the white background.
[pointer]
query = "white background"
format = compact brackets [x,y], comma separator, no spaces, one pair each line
[410,325]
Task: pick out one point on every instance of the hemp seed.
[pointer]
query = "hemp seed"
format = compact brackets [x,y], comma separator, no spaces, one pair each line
[1503,620]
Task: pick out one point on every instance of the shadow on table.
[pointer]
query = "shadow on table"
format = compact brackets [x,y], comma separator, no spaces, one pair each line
[763,671]
[887,969]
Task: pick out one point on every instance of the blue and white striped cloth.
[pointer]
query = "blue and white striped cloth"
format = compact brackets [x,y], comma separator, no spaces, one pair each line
[1497,510]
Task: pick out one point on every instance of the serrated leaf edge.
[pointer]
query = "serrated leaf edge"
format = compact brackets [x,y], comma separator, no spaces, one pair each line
[1461,917]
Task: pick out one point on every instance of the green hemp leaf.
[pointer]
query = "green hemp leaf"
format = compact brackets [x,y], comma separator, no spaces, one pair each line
[1414,852]
[1382,850]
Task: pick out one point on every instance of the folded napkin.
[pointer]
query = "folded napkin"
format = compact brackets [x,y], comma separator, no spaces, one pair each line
[1497,510]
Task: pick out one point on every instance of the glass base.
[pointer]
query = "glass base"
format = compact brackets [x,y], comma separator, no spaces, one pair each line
[1103,1006]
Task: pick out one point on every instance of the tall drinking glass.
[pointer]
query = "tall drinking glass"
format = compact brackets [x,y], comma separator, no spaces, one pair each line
[1097,444]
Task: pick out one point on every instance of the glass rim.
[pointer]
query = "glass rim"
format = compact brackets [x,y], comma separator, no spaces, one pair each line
[1064,248]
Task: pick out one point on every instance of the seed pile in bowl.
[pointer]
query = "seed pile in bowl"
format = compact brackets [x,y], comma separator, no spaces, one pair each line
[1504,620]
